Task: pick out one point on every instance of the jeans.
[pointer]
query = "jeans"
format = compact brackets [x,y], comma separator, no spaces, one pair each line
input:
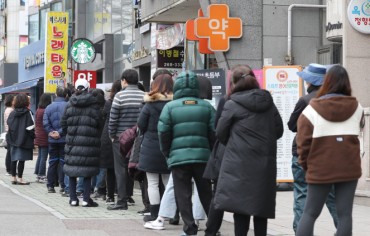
[100,185]
[40,168]
[300,195]
[80,185]
[168,205]
[316,197]
[66,183]
[86,186]
[56,163]
[153,186]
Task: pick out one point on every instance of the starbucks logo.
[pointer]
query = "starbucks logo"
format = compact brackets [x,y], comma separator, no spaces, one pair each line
[82,51]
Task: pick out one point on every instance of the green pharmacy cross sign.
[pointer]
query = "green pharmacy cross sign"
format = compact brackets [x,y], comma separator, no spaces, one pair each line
[82,51]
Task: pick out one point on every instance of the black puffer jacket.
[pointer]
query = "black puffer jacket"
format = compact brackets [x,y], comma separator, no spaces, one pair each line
[151,158]
[249,126]
[81,122]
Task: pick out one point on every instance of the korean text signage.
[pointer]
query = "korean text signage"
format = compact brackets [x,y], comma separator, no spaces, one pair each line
[170,58]
[82,51]
[88,75]
[190,35]
[217,78]
[218,27]
[358,13]
[56,50]
[285,87]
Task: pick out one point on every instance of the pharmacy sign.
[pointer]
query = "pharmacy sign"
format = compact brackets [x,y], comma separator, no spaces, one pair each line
[82,51]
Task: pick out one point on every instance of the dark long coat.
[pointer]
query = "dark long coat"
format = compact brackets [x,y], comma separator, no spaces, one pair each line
[151,158]
[18,136]
[106,151]
[249,126]
[81,122]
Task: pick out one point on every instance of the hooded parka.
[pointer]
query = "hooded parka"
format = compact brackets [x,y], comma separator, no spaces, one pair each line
[186,125]
[151,158]
[81,122]
[249,126]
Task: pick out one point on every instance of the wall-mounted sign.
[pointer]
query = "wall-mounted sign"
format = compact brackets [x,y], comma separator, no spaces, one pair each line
[218,80]
[218,27]
[88,75]
[170,58]
[285,87]
[56,50]
[358,13]
[190,35]
[334,19]
[169,36]
[34,60]
[138,54]
[82,51]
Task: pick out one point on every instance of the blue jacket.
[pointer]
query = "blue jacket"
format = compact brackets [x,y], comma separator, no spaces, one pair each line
[52,116]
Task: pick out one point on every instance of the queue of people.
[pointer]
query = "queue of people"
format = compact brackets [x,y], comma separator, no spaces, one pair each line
[181,130]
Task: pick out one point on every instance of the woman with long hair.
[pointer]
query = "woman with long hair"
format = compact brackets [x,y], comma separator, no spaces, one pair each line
[21,135]
[41,139]
[151,160]
[8,109]
[329,150]
[249,126]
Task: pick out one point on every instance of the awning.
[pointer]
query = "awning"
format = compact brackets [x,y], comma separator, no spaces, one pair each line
[19,86]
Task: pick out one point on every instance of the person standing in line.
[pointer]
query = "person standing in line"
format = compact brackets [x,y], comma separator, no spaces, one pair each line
[21,135]
[215,217]
[41,139]
[56,138]
[9,104]
[151,159]
[329,150]
[313,75]
[123,115]
[82,122]
[249,126]
[186,135]
[106,150]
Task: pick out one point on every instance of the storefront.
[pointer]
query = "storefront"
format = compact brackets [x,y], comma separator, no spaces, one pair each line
[30,73]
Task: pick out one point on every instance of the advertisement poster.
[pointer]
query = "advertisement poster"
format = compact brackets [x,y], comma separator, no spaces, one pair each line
[285,87]
[217,78]
[56,50]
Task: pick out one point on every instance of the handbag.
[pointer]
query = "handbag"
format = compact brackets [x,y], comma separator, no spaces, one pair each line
[134,155]
[126,140]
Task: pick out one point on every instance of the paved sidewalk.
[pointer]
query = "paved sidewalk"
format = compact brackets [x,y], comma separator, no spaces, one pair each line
[30,210]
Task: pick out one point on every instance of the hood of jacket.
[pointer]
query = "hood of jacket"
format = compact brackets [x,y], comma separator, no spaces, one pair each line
[186,85]
[335,109]
[83,100]
[158,97]
[256,100]
[20,111]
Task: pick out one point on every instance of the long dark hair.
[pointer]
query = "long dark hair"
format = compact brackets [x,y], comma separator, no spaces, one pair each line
[116,87]
[45,100]
[336,81]
[9,100]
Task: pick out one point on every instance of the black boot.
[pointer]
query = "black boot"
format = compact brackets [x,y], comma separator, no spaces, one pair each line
[175,220]
[154,209]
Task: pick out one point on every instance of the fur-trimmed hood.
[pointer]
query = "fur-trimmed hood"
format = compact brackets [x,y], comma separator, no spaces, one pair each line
[158,97]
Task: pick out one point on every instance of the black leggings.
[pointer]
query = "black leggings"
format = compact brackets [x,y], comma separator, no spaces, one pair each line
[20,168]
[241,225]
[316,197]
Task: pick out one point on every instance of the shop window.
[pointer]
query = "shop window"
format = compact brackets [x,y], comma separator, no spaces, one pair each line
[33,28]
[57,6]
[43,22]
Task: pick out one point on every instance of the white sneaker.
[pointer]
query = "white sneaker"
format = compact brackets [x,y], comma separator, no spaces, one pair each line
[156,225]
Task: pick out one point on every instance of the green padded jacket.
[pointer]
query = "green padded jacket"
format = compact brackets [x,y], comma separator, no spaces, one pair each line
[186,125]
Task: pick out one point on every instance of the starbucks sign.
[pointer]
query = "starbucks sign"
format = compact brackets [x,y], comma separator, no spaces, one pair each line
[82,51]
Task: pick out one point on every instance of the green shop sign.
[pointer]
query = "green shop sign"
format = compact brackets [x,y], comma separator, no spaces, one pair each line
[82,51]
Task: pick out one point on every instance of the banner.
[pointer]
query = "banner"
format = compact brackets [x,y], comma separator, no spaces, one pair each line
[285,87]
[56,50]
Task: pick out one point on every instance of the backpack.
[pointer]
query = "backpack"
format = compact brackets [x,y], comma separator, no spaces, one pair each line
[126,141]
